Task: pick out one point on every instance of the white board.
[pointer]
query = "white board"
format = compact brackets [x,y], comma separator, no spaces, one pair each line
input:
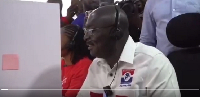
[31,30]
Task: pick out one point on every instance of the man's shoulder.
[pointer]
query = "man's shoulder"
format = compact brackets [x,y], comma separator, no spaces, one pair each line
[95,65]
[152,56]
[96,61]
[147,50]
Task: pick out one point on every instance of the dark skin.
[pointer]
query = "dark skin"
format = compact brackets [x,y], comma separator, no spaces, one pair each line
[134,18]
[143,2]
[100,43]
[106,2]
[89,4]
[75,9]
[70,12]
[140,4]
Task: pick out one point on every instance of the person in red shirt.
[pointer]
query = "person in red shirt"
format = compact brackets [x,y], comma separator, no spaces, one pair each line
[75,59]
[71,11]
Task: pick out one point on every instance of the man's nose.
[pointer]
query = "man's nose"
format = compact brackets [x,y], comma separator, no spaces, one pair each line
[86,36]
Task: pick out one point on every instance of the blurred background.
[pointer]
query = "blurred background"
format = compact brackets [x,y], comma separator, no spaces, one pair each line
[66,4]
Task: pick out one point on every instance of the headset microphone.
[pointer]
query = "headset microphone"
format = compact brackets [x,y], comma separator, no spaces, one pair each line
[116,32]
[108,91]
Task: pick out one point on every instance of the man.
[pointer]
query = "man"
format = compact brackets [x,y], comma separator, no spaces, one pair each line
[157,14]
[134,10]
[88,5]
[122,67]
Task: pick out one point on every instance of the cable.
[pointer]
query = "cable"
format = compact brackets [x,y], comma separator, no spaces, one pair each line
[107,89]
[114,75]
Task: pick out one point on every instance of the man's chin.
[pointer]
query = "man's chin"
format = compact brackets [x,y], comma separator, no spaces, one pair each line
[92,54]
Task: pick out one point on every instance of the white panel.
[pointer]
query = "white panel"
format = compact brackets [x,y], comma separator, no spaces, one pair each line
[31,30]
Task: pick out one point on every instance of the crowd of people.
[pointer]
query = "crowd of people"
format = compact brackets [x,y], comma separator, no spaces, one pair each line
[121,48]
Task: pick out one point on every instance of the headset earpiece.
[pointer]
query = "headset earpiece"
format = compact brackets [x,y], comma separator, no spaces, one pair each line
[119,34]
[71,45]
[116,32]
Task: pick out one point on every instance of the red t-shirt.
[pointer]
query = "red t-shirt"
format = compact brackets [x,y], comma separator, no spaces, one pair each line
[65,20]
[73,76]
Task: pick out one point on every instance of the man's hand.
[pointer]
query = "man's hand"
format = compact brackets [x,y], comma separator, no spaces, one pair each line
[71,11]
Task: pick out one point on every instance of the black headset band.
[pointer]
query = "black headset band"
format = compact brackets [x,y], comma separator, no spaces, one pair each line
[73,39]
[72,43]
[116,17]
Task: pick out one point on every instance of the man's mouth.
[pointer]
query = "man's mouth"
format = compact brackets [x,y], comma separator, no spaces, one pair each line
[90,45]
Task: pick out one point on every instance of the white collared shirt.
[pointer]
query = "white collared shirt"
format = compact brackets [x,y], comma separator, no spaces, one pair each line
[142,71]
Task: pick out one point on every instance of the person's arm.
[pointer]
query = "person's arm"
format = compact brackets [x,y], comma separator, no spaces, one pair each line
[71,11]
[161,80]
[148,32]
[76,83]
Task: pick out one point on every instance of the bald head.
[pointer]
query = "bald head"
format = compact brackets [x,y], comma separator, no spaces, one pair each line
[104,36]
[105,17]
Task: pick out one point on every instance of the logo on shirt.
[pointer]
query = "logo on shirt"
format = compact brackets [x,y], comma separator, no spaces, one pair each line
[64,80]
[127,77]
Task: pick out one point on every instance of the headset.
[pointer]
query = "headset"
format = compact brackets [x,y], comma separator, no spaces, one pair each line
[116,32]
[72,43]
